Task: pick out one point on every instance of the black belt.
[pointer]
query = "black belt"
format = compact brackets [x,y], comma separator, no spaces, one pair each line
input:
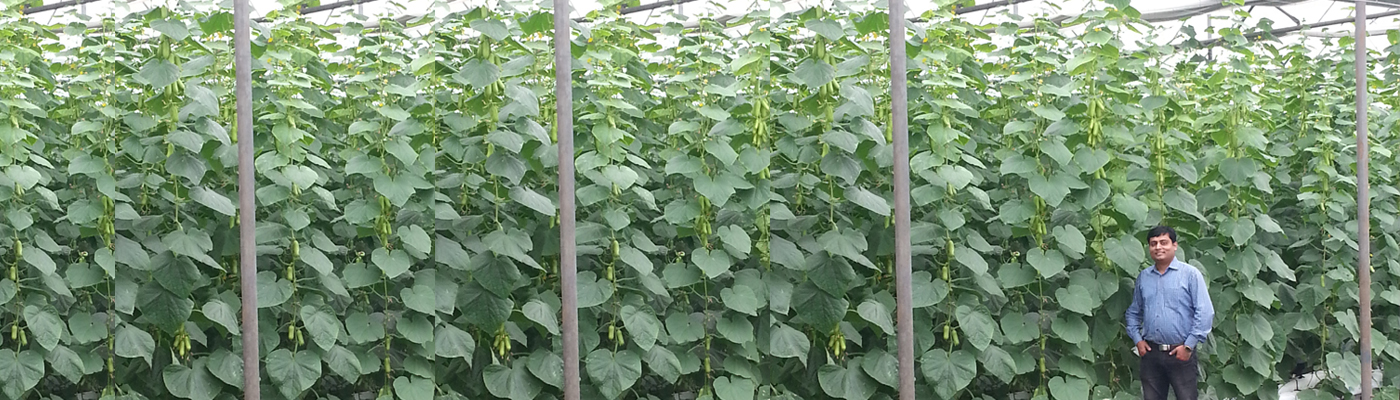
[1162,347]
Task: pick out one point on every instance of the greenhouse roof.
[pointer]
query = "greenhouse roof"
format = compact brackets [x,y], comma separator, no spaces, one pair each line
[1306,18]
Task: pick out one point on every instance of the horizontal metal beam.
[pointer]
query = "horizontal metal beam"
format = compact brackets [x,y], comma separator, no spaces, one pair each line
[643,7]
[55,6]
[987,6]
[324,7]
[1291,29]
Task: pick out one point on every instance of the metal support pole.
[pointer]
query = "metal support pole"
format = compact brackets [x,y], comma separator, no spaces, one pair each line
[247,248]
[1363,201]
[899,120]
[568,257]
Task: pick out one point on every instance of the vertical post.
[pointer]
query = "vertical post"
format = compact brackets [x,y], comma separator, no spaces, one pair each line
[1363,201]
[247,248]
[568,257]
[899,120]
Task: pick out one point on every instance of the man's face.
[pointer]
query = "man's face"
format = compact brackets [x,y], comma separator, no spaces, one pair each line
[1162,248]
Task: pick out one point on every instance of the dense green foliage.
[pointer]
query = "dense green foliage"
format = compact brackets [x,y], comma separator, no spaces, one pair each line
[734,230]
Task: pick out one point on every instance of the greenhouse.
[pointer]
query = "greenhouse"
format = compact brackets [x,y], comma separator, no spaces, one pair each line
[681,199]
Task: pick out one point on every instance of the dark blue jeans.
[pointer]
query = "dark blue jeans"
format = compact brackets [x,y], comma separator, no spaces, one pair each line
[1160,371]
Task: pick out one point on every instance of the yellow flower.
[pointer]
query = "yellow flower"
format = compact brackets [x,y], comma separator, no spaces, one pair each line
[926,39]
[590,40]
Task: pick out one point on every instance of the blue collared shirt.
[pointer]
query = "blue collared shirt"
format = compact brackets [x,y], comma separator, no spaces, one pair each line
[1171,307]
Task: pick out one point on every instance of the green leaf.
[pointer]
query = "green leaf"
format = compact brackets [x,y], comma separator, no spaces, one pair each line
[786,342]
[845,383]
[398,189]
[1052,189]
[192,243]
[828,28]
[47,327]
[193,382]
[1048,112]
[340,360]
[1183,201]
[213,200]
[1127,252]
[163,308]
[999,363]
[543,314]
[847,243]
[785,253]
[495,29]
[881,366]
[514,382]
[391,262]
[66,363]
[393,112]
[735,239]
[980,327]
[322,324]
[132,342]
[1247,381]
[548,367]
[740,298]
[533,200]
[736,328]
[613,373]
[948,372]
[814,73]
[1069,388]
[40,260]
[636,259]
[159,73]
[877,314]
[868,200]
[714,263]
[1130,207]
[641,325]
[86,328]
[478,73]
[130,253]
[1076,298]
[1347,367]
[272,291]
[1071,328]
[20,372]
[174,29]
[1070,239]
[1267,224]
[1240,230]
[1047,263]
[453,342]
[227,367]
[734,388]
[716,191]
[293,373]
[1255,329]
[415,328]
[222,313]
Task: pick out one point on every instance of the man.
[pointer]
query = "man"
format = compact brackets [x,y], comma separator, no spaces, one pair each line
[1170,315]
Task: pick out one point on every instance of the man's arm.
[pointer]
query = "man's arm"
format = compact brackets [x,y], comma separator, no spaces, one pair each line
[1134,314]
[1205,312]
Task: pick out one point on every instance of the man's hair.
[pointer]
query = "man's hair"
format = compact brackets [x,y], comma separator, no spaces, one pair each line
[1162,230]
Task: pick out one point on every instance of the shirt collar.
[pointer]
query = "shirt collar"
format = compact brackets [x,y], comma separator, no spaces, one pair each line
[1175,264]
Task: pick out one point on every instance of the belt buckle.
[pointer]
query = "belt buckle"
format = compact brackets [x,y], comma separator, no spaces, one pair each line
[1165,347]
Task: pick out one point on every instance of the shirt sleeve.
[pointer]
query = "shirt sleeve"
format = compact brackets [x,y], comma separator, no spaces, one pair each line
[1205,312]
[1134,314]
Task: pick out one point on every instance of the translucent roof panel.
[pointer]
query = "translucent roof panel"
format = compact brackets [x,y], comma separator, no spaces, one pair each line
[1174,16]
